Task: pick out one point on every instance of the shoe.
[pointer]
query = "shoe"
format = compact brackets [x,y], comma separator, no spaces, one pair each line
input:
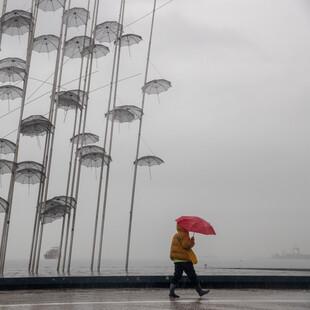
[172,293]
[200,291]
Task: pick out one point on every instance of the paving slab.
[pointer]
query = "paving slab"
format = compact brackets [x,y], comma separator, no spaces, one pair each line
[214,282]
[154,299]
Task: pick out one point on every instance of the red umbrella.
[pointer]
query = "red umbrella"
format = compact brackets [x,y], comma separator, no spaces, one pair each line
[195,224]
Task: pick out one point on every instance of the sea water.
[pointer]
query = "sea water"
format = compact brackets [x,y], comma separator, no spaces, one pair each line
[206,266]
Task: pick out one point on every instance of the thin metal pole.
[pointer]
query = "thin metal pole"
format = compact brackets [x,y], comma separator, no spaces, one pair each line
[122,12]
[37,214]
[53,118]
[68,181]
[86,82]
[4,239]
[11,189]
[67,191]
[68,215]
[104,146]
[53,106]
[3,12]
[76,151]
[139,138]
[47,144]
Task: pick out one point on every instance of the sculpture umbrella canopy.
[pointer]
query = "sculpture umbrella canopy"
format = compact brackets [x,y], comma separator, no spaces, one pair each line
[16,22]
[10,92]
[68,101]
[149,161]
[87,138]
[137,112]
[51,5]
[195,224]
[45,43]
[6,166]
[3,205]
[29,176]
[156,87]
[98,50]
[60,200]
[91,149]
[128,40]
[65,200]
[29,164]
[12,74]
[15,13]
[107,31]
[120,115]
[95,159]
[76,17]
[35,125]
[74,94]
[74,47]
[13,62]
[7,146]
[54,213]
[83,95]
[57,207]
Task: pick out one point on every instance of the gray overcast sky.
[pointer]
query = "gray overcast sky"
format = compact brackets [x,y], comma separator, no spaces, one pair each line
[233,130]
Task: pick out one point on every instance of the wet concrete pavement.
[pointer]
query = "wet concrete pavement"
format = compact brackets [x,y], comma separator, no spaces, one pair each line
[132,299]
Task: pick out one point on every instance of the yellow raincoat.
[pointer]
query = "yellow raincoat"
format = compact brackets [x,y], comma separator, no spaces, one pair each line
[181,246]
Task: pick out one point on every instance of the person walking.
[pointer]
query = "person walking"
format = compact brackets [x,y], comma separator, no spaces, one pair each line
[184,258]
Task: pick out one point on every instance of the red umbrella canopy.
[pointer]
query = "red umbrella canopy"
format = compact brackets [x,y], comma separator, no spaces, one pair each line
[195,224]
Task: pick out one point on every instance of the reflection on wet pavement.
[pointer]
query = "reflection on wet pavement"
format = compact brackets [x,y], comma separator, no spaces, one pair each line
[154,299]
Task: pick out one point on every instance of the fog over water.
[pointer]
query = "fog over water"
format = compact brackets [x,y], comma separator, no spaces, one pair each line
[233,130]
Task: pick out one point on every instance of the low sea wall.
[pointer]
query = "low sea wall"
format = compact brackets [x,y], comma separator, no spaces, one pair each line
[214,282]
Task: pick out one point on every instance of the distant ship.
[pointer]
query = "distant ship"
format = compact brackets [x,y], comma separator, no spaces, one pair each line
[295,254]
[52,253]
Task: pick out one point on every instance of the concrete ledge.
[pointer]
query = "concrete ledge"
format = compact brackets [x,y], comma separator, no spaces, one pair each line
[216,282]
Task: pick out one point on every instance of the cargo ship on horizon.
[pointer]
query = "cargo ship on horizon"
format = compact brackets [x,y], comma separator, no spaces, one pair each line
[295,254]
[52,253]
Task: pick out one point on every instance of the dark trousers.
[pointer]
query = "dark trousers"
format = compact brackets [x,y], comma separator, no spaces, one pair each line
[188,268]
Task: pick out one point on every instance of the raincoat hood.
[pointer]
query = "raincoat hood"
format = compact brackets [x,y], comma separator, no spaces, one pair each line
[180,228]
[181,246]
